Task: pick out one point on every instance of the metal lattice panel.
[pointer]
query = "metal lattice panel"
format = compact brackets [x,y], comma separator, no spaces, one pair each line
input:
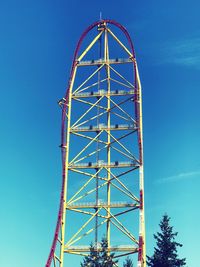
[102,191]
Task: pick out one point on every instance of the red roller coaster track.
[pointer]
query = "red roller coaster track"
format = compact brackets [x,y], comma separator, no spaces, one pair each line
[63,132]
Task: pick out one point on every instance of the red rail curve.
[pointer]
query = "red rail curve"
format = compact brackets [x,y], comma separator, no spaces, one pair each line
[63,130]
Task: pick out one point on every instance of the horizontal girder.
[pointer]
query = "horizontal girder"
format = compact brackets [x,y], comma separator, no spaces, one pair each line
[95,165]
[103,92]
[102,61]
[121,248]
[95,128]
[87,205]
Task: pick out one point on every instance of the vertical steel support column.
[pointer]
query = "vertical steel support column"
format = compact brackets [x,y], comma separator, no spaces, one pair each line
[108,134]
[142,247]
[63,220]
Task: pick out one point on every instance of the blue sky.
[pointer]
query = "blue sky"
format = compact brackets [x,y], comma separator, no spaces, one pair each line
[38,39]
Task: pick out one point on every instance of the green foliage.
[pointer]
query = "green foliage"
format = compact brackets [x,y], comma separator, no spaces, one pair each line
[128,262]
[92,259]
[165,254]
[107,260]
[99,259]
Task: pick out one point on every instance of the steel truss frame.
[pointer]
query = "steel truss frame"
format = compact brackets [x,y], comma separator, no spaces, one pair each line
[105,138]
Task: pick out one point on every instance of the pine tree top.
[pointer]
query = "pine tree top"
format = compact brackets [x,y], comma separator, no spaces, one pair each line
[165,252]
[99,259]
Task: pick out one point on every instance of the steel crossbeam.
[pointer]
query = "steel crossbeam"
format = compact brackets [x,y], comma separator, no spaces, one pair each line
[102,150]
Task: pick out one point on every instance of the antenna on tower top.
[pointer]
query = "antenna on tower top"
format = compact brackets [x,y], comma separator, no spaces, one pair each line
[100,15]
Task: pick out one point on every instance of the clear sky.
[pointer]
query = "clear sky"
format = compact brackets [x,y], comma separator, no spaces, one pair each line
[38,39]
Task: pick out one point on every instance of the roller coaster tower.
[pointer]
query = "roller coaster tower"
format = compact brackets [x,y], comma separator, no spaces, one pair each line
[102,190]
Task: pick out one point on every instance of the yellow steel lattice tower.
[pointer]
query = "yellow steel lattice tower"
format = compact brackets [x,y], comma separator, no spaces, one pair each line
[102,150]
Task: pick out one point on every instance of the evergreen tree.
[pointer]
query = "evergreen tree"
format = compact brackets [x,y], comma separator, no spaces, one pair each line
[165,255]
[106,259]
[99,259]
[128,262]
[92,260]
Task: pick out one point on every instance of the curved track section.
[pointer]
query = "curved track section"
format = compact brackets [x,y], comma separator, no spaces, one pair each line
[57,260]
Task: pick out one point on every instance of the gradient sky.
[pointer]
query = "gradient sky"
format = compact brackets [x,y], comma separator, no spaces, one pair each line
[38,39]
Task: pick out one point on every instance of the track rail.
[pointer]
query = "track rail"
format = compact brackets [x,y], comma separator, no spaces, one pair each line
[63,128]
